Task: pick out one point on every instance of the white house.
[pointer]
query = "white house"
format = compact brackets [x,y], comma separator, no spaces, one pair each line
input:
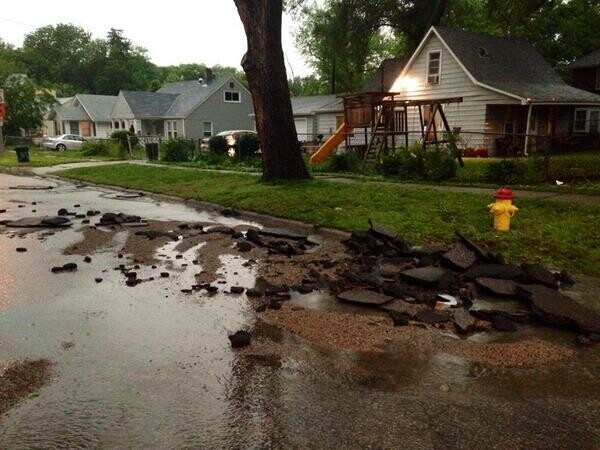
[317,115]
[508,89]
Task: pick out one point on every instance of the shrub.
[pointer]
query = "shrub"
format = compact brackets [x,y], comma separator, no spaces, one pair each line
[505,172]
[121,136]
[414,163]
[438,164]
[342,162]
[218,144]
[102,148]
[248,145]
[176,150]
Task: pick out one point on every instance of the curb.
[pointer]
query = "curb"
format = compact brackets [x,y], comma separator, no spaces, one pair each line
[217,208]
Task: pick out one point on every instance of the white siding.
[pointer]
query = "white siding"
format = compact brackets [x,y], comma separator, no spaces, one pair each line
[103,129]
[454,82]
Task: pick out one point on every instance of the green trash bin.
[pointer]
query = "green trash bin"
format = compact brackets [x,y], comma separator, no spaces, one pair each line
[22,154]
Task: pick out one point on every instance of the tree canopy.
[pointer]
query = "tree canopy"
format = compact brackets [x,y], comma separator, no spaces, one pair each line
[67,59]
[26,104]
[345,40]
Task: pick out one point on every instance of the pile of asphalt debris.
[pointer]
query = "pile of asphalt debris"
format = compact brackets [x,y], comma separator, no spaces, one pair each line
[434,285]
[437,285]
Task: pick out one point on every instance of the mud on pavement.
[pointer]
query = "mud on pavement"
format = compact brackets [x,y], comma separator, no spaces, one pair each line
[128,296]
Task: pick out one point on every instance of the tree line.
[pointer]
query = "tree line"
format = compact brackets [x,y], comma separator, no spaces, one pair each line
[345,40]
[67,59]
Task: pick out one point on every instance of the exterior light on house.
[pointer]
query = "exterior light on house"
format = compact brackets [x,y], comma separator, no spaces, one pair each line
[405,85]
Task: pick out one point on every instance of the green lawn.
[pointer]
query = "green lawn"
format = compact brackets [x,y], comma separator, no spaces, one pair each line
[560,234]
[41,157]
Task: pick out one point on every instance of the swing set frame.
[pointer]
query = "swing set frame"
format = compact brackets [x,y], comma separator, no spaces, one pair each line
[385,115]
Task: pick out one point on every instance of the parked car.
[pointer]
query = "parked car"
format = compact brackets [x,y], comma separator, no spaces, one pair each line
[64,142]
[231,136]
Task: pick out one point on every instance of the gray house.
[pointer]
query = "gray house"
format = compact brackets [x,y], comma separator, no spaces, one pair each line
[190,109]
[317,115]
[84,114]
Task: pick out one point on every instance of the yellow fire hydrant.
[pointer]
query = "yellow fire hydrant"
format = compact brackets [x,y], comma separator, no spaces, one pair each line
[503,210]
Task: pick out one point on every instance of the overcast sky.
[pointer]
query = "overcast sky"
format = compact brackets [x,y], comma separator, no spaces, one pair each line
[173,32]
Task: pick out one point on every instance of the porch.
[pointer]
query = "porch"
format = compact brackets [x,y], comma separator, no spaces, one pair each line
[551,128]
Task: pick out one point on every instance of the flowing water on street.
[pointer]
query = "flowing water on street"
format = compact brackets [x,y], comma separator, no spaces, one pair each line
[152,367]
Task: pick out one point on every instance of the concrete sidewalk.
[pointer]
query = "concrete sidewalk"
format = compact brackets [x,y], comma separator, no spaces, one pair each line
[538,195]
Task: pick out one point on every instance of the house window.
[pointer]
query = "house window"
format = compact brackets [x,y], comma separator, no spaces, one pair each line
[434,66]
[208,129]
[117,125]
[598,79]
[587,121]
[171,129]
[594,121]
[232,97]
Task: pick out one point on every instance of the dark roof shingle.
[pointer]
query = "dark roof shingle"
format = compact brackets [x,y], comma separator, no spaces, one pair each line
[99,107]
[511,65]
[388,71]
[149,104]
[589,60]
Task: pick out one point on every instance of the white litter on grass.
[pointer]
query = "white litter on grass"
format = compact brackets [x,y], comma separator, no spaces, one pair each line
[559,183]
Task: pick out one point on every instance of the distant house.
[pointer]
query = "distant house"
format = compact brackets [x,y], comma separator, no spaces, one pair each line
[84,114]
[507,90]
[185,109]
[318,115]
[585,72]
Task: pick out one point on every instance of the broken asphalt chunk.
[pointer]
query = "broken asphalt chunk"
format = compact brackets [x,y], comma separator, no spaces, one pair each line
[68,267]
[282,233]
[426,275]
[364,297]
[537,274]
[34,222]
[243,246]
[463,320]
[240,339]
[497,286]
[481,253]
[552,307]
[31,188]
[118,219]
[501,323]
[432,317]
[504,271]
[399,319]
[460,257]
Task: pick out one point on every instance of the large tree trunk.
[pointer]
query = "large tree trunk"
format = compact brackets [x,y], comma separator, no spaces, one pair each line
[265,69]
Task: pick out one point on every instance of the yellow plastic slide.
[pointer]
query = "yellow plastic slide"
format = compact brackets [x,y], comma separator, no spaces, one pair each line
[329,145]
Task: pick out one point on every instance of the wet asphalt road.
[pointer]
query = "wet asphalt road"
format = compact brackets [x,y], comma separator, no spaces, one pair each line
[151,367]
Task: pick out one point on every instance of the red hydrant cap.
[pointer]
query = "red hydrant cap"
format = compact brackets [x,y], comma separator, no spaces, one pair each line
[504,193]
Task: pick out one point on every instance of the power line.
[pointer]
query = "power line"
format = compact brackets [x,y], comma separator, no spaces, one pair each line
[16,22]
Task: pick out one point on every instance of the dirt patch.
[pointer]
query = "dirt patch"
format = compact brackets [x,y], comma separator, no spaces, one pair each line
[376,334]
[346,331]
[18,379]
[93,240]
[530,352]
[280,269]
